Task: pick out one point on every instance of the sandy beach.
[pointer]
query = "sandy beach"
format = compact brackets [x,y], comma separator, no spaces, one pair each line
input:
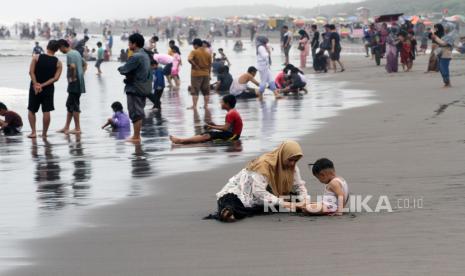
[410,145]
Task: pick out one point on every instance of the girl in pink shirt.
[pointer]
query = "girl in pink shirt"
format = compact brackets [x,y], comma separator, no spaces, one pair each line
[176,64]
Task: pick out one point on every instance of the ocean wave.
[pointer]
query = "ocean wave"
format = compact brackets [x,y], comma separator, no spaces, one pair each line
[14,55]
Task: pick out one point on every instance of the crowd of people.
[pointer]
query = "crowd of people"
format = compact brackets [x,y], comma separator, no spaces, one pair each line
[147,73]
[398,42]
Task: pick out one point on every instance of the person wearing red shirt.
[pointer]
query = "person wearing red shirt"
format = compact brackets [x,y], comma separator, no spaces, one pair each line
[230,131]
[12,124]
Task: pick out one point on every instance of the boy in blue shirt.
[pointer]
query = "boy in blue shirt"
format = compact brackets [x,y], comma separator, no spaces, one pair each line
[158,85]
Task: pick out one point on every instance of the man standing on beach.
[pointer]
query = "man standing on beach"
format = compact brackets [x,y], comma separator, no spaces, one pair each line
[286,43]
[315,44]
[76,86]
[335,50]
[201,62]
[110,42]
[138,83]
[81,45]
[37,49]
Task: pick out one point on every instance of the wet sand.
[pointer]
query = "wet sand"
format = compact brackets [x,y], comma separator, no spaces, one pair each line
[50,184]
[400,147]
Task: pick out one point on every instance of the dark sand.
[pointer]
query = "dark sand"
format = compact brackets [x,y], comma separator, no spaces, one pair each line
[400,148]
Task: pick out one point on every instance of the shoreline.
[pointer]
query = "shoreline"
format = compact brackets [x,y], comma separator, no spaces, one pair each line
[132,237]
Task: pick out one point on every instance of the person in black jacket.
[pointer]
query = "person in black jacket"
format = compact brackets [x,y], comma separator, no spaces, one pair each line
[315,44]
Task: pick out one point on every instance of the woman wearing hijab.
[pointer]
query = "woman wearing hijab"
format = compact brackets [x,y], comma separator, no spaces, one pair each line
[304,48]
[263,66]
[262,183]
[433,59]
[392,61]
[444,51]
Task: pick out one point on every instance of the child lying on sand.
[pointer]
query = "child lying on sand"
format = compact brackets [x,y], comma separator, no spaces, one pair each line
[336,191]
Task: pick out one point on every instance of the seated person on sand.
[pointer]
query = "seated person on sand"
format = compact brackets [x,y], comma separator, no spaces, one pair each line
[12,124]
[321,61]
[224,81]
[239,86]
[295,82]
[123,56]
[266,181]
[230,131]
[217,64]
[336,190]
[119,120]
[238,46]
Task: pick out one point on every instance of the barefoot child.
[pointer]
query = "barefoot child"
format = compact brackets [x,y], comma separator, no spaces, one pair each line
[231,130]
[158,85]
[336,191]
[100,57]
[12,124]
[120,120]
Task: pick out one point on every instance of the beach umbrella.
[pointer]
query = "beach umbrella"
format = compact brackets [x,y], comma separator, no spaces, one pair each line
[427,23]
[456,18]
[299,22]
[415,19]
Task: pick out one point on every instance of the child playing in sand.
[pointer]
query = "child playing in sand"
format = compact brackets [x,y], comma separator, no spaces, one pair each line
[120,120]
[336,191]
[12,124]
[230,131]
[295,82]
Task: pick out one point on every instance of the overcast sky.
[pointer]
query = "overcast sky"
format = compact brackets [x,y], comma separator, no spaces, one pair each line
[27,10]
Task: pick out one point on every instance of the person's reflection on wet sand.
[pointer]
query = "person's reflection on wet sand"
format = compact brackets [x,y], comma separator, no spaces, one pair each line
[234,146]
[50,188]
[198,126]
[153,125]
[268,125]
[82,172]
[140,164]
[120,133]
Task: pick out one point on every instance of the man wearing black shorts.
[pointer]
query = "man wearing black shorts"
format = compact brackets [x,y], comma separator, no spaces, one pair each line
[45,70]
[230,131]
[76,86]
[335,52]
